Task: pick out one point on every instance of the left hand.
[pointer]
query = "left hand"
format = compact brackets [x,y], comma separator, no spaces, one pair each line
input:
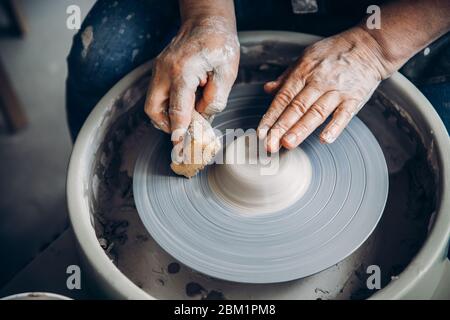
[337,74]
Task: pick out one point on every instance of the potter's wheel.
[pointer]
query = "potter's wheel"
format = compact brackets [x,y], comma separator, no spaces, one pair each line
[193,221]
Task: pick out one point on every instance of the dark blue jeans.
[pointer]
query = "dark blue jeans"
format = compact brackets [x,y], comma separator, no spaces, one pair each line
[117,36]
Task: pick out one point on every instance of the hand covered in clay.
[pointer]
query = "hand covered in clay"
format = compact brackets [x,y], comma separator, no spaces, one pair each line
[205,53]
[336,75]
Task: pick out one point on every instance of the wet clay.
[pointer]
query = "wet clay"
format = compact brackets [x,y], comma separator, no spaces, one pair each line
[251,185]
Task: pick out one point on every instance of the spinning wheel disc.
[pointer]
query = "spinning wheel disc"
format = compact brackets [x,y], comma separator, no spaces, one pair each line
[335,215]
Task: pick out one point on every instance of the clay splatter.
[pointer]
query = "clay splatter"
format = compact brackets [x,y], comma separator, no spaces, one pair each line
[193,289]
[214,295]
[173,268]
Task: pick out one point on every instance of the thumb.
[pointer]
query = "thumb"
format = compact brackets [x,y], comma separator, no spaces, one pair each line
[215,95]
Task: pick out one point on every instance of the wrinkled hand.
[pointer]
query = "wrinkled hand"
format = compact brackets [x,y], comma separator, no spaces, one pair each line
[337,74]
[205,53]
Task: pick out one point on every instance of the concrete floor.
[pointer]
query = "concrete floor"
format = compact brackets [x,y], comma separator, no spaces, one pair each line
[33,162]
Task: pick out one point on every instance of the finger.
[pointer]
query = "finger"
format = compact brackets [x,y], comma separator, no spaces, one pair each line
[182,100]
[284,96]
[273,86]
[341,118]
[215,95]
[291,115]
[157,103]
[312,119]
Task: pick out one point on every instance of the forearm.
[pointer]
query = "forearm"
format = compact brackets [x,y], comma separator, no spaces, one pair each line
[201,9]
[407,27]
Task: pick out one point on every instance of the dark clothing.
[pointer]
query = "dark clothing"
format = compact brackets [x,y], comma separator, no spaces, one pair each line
[117,36]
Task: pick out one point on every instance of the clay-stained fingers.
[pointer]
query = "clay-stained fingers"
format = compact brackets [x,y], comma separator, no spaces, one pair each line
[157,103]
[341,118]
[291,115]
[282,99]
[182,101]
[215,94]
[312,119]
[273,86]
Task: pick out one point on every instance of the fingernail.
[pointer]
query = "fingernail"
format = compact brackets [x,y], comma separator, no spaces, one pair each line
[163,125]
[291,138]
[274,144]
[327,137]
[262,132]
[156,125]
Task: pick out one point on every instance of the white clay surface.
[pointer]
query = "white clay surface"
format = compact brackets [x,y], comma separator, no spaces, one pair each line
[251,187]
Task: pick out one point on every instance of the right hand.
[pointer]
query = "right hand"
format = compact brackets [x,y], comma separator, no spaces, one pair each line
[205,53]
